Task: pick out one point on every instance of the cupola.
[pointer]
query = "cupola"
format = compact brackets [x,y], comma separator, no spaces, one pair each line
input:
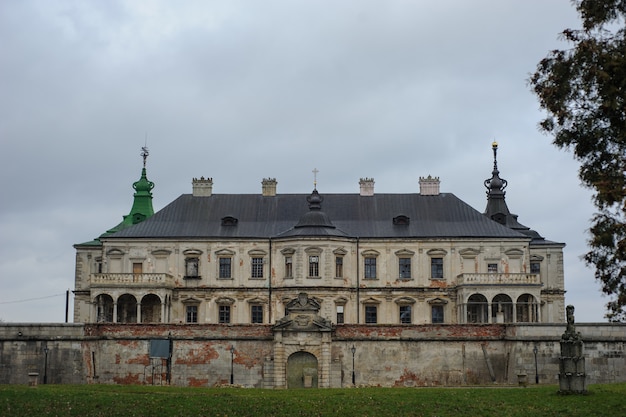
[497,209]
[142,202]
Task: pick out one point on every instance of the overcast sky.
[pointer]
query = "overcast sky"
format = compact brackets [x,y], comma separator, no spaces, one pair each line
[244,90]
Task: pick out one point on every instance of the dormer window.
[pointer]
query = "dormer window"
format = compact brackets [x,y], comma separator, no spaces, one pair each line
[229,221]
[401,220]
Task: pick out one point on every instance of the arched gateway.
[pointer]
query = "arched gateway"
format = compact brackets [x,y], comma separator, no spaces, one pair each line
[302,346]
[302,370]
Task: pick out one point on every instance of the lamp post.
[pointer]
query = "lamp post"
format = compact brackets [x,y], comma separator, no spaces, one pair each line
[353,350]
[45,364]
[536,369]
[232,358]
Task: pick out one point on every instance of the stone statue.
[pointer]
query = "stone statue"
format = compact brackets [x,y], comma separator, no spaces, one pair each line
[570,330]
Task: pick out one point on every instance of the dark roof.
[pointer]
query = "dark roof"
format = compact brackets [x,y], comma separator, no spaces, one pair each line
[351,215]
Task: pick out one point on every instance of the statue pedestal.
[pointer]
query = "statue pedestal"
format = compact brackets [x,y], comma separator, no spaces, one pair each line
[572,368]
[571,362]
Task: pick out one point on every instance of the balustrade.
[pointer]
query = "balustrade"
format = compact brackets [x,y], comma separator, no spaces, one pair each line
[125,279]
[498,278]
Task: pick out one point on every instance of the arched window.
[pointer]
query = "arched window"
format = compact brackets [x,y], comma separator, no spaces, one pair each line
[127,309]
[501,309]
[527,309]
[104,308]
[477,309]
[151,309]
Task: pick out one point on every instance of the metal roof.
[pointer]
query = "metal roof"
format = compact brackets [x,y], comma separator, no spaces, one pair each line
[350,215]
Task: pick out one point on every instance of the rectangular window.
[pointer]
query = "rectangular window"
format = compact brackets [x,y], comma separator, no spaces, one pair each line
[492,268]
[192,314]
[339,314]
[535,267]
[405,314]
[370,268]
[371,316]
[224,314]
[339,267]
[257,267]
[191,267]
[256,313]
[436,314]
[225,268]
[314,266]
[137,268]
[288,267]
[436,268]
[404,265]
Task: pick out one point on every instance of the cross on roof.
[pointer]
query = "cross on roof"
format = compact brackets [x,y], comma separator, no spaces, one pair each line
[315,171]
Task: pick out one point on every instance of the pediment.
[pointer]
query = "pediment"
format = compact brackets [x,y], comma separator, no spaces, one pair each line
[225,301]
[404,252]
[340,252]
[514,253]
[437,252]
[304,323]
[115,253]
[341,301]
[370,300]
[302,314]
[303,303]
[437,300]
[405,300]
[469,253]
[161,253]
[288,251]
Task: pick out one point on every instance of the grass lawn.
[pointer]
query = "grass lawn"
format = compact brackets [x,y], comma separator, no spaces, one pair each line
[116,400]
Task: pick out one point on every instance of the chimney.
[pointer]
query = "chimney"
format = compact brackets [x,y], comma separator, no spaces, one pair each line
[202,187]
[429,185]
[367,186]
[269,187]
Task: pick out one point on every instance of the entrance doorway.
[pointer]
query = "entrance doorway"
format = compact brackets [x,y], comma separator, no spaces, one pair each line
[302,370]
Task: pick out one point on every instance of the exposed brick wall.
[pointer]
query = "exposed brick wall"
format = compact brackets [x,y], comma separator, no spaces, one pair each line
[424,355]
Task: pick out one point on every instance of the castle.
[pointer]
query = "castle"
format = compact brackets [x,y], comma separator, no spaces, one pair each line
[313,290]
[364,258]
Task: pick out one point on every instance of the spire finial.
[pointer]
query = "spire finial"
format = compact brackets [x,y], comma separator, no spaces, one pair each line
[495,184]
[144,154]
[494,146]
[315,171]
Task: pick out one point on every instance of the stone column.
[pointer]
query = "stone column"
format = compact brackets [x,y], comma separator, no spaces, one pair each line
[514,312]
[324,373]
[280,363]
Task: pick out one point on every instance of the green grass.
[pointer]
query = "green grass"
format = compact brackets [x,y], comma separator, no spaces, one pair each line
[116,400]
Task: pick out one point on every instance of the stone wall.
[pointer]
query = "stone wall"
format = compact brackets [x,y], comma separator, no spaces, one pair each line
[22,351]
[403,355]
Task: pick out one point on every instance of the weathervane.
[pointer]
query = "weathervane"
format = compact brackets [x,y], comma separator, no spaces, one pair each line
[144,154]
[315,171]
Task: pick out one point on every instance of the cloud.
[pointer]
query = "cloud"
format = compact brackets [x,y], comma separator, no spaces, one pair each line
[243,90]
